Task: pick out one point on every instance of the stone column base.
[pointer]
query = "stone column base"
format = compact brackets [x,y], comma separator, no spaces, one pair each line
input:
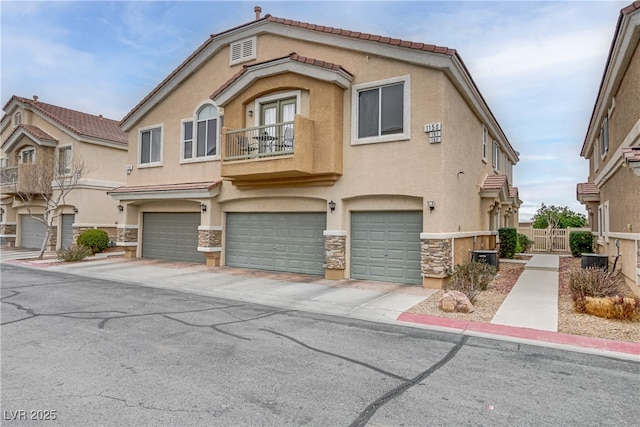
[330,274]
[212,259]
[434,282]
[130,251]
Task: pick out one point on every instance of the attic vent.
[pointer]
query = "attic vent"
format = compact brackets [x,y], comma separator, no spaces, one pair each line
[243,50]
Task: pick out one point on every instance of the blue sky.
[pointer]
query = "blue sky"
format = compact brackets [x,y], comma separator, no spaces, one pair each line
[538,64]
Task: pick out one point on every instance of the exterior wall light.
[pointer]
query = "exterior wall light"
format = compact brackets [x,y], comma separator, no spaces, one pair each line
[431,204]
[332,205]
[75,210]
[120,208]
[203,207]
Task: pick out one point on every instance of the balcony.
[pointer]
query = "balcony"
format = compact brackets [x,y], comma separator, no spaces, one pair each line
[282,154]
[20,179]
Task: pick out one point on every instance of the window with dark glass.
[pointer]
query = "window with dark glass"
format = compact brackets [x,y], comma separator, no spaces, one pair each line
[381,111]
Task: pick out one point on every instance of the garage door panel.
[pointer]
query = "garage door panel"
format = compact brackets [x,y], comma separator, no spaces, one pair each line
[290,241]
[386,246]
[171,236]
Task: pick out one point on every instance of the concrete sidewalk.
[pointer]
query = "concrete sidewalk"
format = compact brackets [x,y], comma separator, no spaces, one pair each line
[533,301]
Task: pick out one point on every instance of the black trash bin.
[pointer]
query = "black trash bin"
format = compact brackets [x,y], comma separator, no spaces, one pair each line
[488,257]
[594,261]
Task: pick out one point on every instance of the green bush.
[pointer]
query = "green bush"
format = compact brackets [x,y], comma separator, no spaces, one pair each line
[95,239]
[471,278]
[508,242]
[580,242]
[74,253]
[523,244]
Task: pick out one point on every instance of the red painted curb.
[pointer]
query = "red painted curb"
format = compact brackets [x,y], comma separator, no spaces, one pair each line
[526,333]
[30,263]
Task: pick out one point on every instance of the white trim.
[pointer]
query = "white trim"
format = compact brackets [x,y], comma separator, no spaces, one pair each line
[167,194]
[214,249]
[8,235]
[209,228]
[127,226]
[94,184]
[257,104]
[406,106]
[139,156]
[456,235]
[625,236]
[9,223]
[129,244]
[79,224]
[339,233]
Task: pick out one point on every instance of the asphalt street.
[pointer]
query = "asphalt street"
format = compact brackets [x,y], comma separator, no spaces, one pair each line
[87,351]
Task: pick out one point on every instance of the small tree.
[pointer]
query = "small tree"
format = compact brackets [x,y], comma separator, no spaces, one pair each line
[557,217]
[46,183]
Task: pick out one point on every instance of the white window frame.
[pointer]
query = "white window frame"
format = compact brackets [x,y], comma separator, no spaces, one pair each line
[69,159]
[194,130]
[406,105]
[495,156]
[257,105]
[151,164]
[33,157]
[247,50]
[604,137]
[17,118]
[485,139]
[4,162]
[596,154]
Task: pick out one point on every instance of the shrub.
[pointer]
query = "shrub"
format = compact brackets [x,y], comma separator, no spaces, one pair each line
[95,239]
[593,283]
[580,242]
[74,253]
[523,244]
[508,241]
[617,307]
[471,278]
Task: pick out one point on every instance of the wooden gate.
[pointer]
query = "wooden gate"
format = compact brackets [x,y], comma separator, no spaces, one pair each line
[549,239]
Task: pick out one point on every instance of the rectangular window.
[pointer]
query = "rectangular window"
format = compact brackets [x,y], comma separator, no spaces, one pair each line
[485,136]
[496,156]
[64,160]
[381,111]
[187,139]
[604,137]
[28,155]
[150,146]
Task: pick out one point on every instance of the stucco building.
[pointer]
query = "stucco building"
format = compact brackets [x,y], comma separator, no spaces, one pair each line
[33,131]
[289,146]
[612,146]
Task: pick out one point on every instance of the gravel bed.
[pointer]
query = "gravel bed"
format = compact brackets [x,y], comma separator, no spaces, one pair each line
[569,321]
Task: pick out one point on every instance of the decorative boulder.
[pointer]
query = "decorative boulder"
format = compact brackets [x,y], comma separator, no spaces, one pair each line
[455,301]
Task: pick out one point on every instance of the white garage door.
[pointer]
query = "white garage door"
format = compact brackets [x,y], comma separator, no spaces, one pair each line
[32,232]
[172,236]
[291,242]
[385,246]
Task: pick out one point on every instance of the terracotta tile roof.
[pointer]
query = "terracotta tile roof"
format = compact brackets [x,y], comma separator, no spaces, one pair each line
[82,124]
[320,28]
[363,36]
[513,192]
[628,9]
[293,56]
[167,187]
[587,188]
[631,154]
[35,131]
[494,182]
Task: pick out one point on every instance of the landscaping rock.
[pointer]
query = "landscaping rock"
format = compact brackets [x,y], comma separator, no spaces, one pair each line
[455,301]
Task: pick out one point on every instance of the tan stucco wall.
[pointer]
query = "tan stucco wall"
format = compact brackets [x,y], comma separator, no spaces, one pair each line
[627,110]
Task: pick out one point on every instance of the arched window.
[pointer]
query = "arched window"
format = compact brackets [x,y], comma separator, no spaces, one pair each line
[206,131]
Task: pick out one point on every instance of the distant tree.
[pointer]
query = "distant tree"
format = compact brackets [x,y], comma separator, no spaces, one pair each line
[45,184]
[557,217]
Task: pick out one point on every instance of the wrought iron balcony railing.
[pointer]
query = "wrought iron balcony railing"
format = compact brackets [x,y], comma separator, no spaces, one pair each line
[259,142]
[8,175]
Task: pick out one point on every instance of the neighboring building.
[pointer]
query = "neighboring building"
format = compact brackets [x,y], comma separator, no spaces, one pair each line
[288,146]
[612,146]
[31,130]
